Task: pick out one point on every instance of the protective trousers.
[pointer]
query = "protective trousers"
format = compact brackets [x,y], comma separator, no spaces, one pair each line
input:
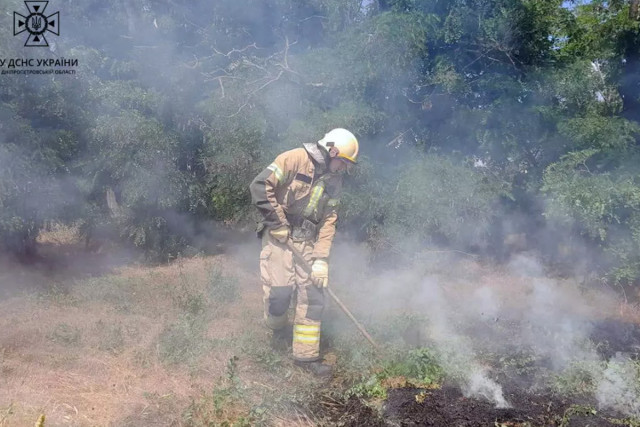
[281,274]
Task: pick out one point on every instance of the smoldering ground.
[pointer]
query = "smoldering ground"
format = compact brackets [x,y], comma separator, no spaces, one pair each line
[477,319]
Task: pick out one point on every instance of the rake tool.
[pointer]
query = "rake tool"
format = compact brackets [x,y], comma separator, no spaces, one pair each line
[303,263]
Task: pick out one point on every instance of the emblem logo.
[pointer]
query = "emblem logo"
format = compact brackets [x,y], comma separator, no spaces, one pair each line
[36,23]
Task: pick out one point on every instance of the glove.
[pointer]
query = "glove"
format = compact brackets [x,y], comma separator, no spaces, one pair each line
[281,234]
[320,273]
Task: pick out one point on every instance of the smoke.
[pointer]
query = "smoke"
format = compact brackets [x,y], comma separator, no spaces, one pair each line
[470,310]
[479,385]
[618,387]
[555,331]
[175,50]
[458,358]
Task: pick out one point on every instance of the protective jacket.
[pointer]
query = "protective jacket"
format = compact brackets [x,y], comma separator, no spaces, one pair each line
[297,190]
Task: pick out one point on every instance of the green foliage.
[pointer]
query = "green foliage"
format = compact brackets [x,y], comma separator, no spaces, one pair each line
[175,114]
[586,89]
[28,194]
[626,422]
[137,160]
[600,132]
[419,367]
[430,198]
[605,206]
[137,155]
[370,388]
[596,30]
[580,378]
[230,155]
[269,359]
[435,197]
[120,95]
[395,40]
[342,14]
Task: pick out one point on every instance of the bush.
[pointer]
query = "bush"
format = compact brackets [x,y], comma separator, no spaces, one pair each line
[432,199]
[602,206]
[420,365]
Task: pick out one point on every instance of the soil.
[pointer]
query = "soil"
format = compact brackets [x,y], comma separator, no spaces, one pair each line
[614,336]
[448,407]
[530,406]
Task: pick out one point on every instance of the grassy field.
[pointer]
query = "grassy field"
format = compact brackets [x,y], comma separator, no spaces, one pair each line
[90,343]
[180,344]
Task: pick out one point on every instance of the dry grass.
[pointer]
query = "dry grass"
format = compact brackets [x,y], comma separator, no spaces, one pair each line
[90,354]
[59,234]
[179,344]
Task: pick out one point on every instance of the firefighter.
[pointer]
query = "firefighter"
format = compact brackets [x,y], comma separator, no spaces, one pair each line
[298,195]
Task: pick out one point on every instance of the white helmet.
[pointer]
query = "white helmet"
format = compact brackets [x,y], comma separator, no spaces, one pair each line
[344,141]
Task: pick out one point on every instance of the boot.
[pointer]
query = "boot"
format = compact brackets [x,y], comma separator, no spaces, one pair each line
[317,368]
[281,339]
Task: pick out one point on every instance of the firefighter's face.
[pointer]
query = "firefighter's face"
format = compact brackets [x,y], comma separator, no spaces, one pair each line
[339,165]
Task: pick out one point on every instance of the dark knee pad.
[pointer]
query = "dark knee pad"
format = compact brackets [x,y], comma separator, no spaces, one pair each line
[315,296]
[279,299]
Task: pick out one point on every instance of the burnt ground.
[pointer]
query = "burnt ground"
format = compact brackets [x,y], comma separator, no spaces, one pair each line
[614,337]
[447,407]
[531,403]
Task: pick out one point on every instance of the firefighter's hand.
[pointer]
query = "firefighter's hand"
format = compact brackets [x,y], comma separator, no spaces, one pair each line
[320,273]
[281,234]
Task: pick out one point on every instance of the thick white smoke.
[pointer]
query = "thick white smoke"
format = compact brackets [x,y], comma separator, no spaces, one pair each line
[618,387]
